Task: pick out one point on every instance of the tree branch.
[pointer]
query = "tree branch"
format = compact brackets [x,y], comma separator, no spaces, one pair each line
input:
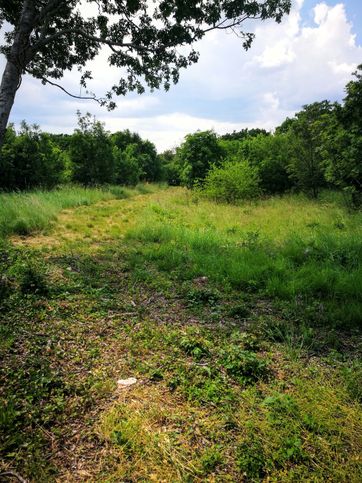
[100,101]
[112,44]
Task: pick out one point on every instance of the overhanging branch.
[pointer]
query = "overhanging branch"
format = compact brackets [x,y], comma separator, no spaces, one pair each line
[100,101]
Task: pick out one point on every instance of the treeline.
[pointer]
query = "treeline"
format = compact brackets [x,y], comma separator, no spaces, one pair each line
[318,148]
[90,156]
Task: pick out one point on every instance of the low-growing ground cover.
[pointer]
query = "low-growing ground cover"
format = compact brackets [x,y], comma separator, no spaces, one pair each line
[242,373]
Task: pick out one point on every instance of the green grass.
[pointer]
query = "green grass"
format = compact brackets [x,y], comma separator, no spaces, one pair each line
[25,213]
[291,249]
[244,370]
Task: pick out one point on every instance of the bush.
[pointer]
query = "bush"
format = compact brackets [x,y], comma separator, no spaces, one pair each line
[196,155]
[233,181]
[128,169]
[91,153]
[30,159]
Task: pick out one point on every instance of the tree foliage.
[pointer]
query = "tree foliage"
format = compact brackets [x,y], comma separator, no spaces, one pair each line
[143,151]
[196,155]
[128,170]
[49,37]
[270,153]
[170,167]
[305,133]
[30,159]
[91,153]
[341,146]
[244,134]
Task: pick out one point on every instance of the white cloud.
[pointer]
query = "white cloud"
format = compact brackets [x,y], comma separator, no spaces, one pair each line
[320,13]
[289,65]
[168,130]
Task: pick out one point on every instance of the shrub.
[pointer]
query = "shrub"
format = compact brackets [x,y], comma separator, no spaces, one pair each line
[91,153]
[244,365]
[196,155]
[30,159]
[233,181]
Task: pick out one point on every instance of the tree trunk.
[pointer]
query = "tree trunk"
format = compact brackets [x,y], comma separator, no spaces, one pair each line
[9,85]
[18,58]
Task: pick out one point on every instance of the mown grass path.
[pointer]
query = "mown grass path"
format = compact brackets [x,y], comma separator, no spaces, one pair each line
[243,374]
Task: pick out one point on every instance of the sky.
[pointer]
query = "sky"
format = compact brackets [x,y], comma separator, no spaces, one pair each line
[309,57]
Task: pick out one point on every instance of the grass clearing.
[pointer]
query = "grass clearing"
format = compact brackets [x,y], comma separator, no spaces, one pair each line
[289,249]
[26,213]
[235,382]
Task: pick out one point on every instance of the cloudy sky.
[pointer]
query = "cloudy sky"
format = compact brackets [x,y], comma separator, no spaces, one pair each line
[307,58]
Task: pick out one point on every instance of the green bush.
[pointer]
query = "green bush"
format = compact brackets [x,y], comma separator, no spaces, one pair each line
[196,155]
[91,153]
[232,182]
[30,159]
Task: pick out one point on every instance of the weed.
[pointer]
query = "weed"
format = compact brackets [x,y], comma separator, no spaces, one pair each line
[211,458]
[25,213]
[250,459]
[203,296]
[218,395]
[193,344]
[239,311]
[280,406]
[352,375]
[202,384]
[243,365]
[31,275]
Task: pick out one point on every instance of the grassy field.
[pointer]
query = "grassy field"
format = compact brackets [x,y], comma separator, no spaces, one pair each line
[241,325]
[25,213]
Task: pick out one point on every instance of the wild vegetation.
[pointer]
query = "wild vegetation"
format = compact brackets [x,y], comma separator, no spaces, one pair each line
[240,324]
[319,148]
[204,332]
[31,212]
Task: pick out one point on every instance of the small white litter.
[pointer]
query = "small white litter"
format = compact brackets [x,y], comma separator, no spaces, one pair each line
[127,382]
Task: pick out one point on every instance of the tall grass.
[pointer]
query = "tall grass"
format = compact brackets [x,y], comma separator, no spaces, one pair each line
[290,249]
[25,213]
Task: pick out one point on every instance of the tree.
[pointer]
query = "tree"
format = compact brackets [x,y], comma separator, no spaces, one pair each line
[30,159]
[196,155]
[144,152]
[128,170]
[271,155]
[91,153]
[170,167]
[244,134]
[341,146]
[49,37]
[305,133]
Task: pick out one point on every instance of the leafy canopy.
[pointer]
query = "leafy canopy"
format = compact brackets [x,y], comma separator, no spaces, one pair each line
[142,37]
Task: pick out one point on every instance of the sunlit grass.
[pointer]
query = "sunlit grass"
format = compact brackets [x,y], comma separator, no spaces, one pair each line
[287,248]
[225,315]
[287,428]
[25,213]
